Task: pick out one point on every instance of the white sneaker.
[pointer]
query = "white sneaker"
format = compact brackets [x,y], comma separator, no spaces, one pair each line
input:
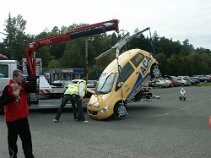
[84,121]
[55,120]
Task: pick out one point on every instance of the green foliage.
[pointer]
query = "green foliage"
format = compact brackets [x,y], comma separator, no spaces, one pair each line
[73,55]
[44,53]
[204,84]
[54,64]
[16,40]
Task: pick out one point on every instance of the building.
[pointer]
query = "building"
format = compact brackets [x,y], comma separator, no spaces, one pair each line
[65,73]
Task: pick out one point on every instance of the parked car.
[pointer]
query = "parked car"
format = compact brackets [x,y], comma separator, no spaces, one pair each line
[208,78]
[94,82]
[163,83]
[202,78]
[152,83]
[173,79]
[191,80]
[184,82]
[90,84]
[194,80]
[61,83]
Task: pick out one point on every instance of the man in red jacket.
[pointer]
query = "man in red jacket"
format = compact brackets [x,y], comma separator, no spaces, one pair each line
[14,100]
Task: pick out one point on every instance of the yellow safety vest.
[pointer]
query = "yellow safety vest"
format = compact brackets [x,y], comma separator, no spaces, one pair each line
[74,88]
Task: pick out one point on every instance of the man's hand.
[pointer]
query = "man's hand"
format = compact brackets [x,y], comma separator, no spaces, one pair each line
[16,92]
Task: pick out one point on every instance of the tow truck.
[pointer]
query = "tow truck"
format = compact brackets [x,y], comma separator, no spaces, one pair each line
[7,66]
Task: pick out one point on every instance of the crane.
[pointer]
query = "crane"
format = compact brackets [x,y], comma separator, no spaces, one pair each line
[83,31]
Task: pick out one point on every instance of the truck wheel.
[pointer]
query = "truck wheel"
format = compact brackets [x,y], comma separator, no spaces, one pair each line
[120,111]
[155,72]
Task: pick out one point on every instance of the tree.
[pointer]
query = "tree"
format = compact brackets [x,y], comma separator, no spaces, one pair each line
[44,53]
[16,41]
[186,48]
[54,64]
[163,63]
[72,56]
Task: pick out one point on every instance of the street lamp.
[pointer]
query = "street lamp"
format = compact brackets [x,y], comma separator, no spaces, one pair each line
[86,56]
[86,53]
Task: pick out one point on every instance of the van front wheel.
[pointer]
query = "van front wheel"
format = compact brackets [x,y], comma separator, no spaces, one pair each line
[120,110]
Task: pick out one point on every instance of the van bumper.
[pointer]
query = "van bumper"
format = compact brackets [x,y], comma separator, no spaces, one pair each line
[99,116]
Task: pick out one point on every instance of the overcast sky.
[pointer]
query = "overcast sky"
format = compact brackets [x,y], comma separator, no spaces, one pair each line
[176,19]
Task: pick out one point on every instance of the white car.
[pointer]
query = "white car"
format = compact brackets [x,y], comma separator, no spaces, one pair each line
[163,83]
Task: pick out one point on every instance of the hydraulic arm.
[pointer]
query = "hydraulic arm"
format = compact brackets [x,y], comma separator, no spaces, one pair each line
[74,34]
[121,43]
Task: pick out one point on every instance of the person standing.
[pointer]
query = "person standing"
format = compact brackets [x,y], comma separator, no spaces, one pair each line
[74,93]
[16,112]
[182,94]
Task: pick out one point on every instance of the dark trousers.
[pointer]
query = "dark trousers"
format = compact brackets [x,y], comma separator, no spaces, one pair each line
[19,128]
[77,112]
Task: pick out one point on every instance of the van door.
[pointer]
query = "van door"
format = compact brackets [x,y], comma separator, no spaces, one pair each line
[131,75]
[128,77]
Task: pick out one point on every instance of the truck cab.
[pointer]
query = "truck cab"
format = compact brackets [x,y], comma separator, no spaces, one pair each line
[6,69]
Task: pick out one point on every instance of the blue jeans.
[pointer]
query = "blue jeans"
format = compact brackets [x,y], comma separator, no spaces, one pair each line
[77,112]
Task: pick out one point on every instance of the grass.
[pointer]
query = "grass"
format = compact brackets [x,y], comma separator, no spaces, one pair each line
[204,84]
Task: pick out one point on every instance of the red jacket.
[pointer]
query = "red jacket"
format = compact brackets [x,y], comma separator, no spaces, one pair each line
[17,109]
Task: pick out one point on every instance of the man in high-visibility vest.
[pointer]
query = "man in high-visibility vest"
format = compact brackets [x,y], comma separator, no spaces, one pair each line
[74,93]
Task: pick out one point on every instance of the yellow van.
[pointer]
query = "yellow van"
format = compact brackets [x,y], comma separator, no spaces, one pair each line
[121,80]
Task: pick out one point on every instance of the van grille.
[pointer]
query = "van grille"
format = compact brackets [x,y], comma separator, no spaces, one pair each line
[93,112]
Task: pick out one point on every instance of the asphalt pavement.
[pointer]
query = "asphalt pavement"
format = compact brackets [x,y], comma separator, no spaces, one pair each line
[163,128]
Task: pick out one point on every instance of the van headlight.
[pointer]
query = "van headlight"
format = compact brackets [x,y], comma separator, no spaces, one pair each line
[95,105]
[103,110]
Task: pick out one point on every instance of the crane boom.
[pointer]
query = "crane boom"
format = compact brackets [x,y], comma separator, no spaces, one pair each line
[83,31]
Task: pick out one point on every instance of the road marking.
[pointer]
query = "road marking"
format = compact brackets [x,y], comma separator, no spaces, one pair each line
[159,115]
[168,113]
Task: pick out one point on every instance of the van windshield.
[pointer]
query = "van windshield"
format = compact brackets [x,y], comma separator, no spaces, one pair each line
[105,83]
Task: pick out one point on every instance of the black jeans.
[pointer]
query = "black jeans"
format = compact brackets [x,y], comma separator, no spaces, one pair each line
[19,128]
[77,112]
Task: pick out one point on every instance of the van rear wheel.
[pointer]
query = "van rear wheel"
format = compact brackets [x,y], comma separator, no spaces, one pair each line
[120,110]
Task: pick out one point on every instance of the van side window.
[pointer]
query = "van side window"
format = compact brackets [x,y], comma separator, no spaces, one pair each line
[126,72]
[137,59]
[3,71]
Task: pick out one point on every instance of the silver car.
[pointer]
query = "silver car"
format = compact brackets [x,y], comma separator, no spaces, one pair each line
[184,82]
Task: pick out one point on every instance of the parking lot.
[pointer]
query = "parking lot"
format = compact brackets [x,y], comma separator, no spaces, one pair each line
[163,128]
